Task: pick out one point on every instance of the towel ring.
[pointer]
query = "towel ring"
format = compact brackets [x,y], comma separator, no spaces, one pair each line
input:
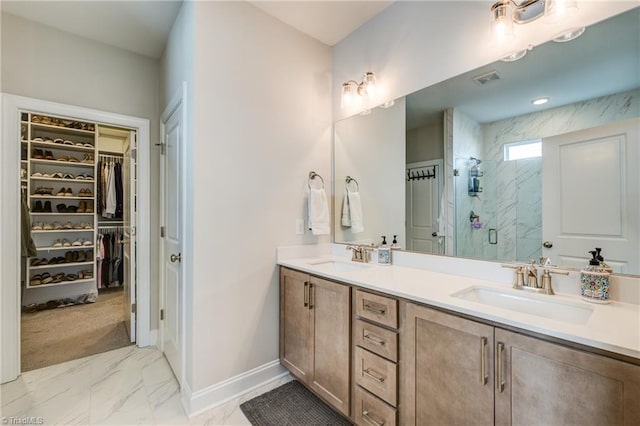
[312,176]
[348,180]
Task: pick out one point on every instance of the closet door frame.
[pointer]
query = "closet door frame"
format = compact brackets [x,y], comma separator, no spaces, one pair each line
[10,301]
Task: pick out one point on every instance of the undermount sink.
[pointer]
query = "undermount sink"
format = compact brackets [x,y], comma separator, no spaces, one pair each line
[340,265]
[533,304]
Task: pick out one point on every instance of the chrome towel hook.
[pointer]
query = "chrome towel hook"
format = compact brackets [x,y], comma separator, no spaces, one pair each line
[348,180]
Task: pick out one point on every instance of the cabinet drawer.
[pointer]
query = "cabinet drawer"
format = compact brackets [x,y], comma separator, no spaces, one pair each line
[377,339]
[376,374]
[371,411]
[380,309]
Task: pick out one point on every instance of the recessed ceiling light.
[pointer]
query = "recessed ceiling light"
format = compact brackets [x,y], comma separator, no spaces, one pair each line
[540,101]
[572,34]
[514,56]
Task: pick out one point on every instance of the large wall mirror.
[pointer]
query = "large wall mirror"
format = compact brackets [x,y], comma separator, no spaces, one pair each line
[473,167]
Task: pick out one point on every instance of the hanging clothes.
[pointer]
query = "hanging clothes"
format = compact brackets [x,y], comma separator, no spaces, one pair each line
[109,257]
[110,191]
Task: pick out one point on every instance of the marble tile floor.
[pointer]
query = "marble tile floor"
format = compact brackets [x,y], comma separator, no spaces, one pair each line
[128,386]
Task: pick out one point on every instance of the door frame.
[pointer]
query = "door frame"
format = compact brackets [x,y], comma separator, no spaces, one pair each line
[10,305]
[179,99]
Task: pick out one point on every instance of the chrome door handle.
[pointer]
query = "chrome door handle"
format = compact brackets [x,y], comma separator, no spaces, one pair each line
[176,258]
[547,244]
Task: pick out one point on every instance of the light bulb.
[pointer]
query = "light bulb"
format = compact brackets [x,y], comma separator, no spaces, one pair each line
[560,10]
[369,81]
[501,25]
[348,94]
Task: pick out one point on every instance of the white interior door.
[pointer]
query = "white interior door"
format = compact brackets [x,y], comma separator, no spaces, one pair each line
[129,242]
[423,201]
[172,238]
[590,186]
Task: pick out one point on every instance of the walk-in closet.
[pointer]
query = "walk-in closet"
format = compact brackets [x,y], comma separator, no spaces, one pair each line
[78,254]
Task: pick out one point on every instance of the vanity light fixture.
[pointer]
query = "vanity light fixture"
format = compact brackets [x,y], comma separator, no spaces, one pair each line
[351,89]
[540,101]
[525,11]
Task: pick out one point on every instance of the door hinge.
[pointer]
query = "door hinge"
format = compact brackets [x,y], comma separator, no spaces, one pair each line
[134,155]
[161,314]
[162,146]
[134,308]
[162,233]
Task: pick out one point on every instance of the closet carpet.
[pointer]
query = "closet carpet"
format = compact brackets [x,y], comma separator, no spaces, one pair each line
[58,335]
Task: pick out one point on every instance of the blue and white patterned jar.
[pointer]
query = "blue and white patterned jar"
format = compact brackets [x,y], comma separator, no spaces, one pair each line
[594,285]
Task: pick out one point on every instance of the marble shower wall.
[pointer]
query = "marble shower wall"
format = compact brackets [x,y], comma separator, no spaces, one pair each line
[467,135]
[518,204]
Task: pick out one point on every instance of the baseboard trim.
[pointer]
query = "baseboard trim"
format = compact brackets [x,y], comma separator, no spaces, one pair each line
[205,399]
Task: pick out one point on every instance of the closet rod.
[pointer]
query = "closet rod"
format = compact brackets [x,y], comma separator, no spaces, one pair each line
[110,153]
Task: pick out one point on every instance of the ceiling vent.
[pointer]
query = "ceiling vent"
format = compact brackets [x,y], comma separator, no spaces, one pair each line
[486,78]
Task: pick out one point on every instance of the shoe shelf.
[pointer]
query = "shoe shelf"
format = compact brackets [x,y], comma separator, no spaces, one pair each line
[51,248]
[59,197]
[62,146]
[62,163]
[88,280]
[61,129]
[53,231]
[60,265]
[84,148]
[52,179]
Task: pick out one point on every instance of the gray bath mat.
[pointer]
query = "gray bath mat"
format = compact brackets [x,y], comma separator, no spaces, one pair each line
[290,405]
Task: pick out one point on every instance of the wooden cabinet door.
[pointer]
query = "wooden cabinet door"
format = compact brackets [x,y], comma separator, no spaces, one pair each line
[549,384]
[446,370]
[330,307]
[295,323]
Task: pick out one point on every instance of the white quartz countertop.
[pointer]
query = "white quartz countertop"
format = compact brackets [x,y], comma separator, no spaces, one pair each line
[613,327]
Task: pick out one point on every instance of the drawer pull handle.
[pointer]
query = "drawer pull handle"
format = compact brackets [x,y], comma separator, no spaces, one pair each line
[374,309]
[312,299]
[372,374]
[374,339]
[306,294]
[483,370]
[500,382]
[371,420]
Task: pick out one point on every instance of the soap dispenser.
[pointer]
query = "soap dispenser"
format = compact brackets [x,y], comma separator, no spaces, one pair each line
[394,243]
[603,265]
[594,281]
[384,252]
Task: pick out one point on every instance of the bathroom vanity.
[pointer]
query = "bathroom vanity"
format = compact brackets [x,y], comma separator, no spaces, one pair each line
[399,345]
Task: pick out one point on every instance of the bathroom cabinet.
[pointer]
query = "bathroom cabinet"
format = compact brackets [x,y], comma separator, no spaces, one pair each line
[315,334]
[459,371]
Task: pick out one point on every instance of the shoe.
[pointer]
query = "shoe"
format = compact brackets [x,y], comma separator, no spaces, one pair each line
[68,176]
[35,261]
[72,209]
[68,257]
[63,158]
[78,226]
[46,278]
[88,193]
[37,154]
[77,243]
[68,192]
[66,243]
[35,119]
[57,175]
[57,226]
[89,207]
[48,155]
[58,140]
[36,280]
[36,226]
[38,207]
[82,207]
[47,226]
[82,256]
[45,120]
[58,278]
[57,243]
[70,277]
[86,243]
[62,208]
[87,226]
[67,225]
[47,207]
[86,274]
[89,255]
[68,142]
[75,256]
[62,192]
[73,159]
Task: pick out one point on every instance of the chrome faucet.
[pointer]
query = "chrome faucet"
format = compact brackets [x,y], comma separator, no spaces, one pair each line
[527,277]
[360,253]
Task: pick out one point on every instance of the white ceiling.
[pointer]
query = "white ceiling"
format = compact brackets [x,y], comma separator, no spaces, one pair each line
[327,21]
[143,26]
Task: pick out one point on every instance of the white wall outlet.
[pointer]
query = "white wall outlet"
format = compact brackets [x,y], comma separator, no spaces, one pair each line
[299,227]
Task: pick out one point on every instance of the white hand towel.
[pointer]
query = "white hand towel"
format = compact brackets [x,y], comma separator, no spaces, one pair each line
[346,216]
[318,211]
[442,223]
[355,212]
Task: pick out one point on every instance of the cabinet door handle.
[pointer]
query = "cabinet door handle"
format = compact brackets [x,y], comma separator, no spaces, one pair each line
[374,339]
[312,299]
[306,294]
[499,381]
[483,361]
[372,374]
[369,419]
[374,309]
